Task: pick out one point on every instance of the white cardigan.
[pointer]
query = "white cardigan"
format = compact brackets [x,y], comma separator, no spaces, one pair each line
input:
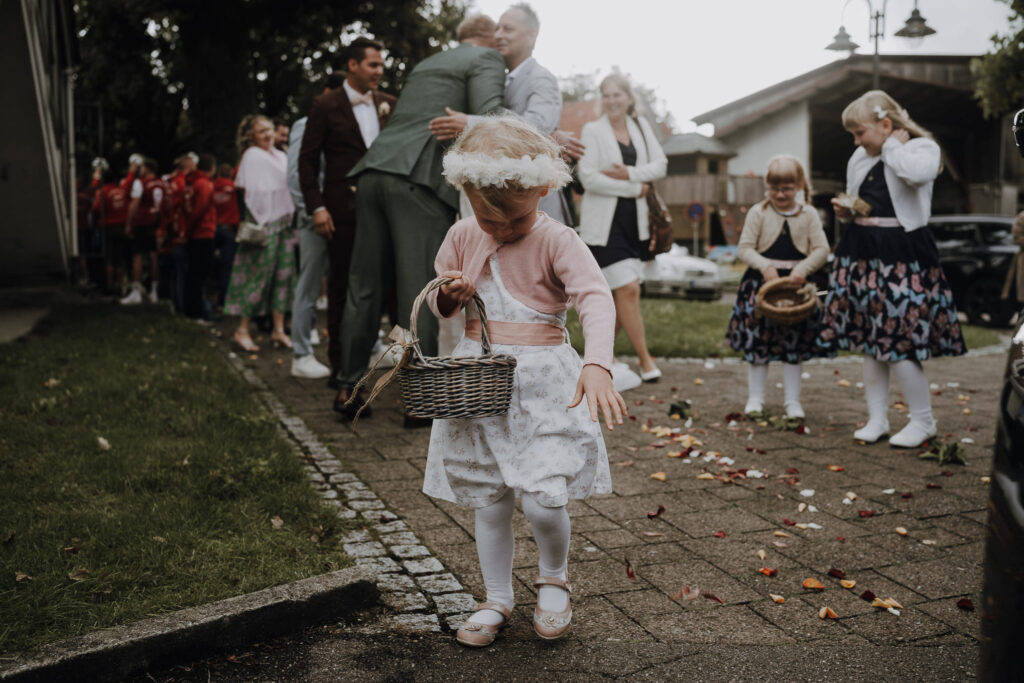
[601,192]
[910,171]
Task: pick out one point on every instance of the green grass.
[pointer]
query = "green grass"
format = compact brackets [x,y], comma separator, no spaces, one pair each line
[176,513]
[677,328]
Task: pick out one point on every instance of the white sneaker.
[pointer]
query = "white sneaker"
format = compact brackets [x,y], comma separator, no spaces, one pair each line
[913,435]
[314,337]
[623,377]
[134,297]
[651,375]
[795,411]
[153,296]
[321,303]
[308,367]
[753,406]
[872,431]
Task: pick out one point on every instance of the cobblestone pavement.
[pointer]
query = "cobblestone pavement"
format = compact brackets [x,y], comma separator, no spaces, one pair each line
[806,514]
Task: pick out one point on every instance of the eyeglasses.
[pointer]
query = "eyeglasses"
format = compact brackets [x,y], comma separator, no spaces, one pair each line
[782,189]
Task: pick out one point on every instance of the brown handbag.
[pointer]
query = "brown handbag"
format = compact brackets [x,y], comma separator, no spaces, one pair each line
[659,220]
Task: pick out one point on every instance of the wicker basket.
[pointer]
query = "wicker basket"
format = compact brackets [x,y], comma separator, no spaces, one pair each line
[786,302]
[447,387]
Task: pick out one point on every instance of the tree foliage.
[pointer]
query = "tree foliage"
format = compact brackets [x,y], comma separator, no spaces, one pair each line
[178,75]
[1000,73]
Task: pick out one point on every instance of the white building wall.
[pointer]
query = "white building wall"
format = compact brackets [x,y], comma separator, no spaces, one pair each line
[787,131]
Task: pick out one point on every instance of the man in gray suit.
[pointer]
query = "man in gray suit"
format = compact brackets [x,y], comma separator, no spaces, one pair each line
[531,91]
[404,206]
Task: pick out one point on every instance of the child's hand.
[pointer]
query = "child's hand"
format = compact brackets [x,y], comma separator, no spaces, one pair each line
[461,290]
[770,274]
[900,135]
[797,278]
[596,383]
[841,211]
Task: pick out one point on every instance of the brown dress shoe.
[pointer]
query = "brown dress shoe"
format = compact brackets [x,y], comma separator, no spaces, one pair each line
[348,412]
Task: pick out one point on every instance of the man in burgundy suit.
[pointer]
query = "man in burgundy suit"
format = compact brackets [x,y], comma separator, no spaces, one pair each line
[342,124]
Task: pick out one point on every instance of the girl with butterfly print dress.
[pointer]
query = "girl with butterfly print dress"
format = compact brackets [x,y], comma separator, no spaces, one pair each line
[889,297]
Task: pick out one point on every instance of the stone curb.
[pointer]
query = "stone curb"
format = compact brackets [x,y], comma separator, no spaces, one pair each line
[415,585]
[113,653]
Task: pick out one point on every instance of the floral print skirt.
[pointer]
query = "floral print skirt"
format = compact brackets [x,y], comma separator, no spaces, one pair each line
[889,297]
[263,278]
[761,340]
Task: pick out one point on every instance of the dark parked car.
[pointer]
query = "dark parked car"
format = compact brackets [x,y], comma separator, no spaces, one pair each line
[976,251]
[1002,613]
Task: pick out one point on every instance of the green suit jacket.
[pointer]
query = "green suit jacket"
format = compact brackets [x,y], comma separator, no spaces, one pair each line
[467,78]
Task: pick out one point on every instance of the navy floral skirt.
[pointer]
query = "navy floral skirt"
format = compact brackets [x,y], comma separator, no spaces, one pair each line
[763,341]
[889,298]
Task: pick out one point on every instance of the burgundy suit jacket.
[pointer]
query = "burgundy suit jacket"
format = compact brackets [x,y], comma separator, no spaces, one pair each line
[332,129]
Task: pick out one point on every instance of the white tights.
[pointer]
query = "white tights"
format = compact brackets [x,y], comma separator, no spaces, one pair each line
[912,382]
[495,547]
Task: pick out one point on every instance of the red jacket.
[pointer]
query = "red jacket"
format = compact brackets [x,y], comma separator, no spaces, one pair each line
[148,213]
[172,228]
[225,200]
[112,201]
[202,215]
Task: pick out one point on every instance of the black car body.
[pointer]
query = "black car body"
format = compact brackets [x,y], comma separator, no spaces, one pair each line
[975,251]
[1002,613]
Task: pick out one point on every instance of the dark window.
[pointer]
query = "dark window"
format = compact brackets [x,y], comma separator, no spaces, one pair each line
[682,165]
[996,233]
[713,166]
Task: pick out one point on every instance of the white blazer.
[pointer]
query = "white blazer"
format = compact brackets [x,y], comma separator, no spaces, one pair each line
[910,170]
[601,193]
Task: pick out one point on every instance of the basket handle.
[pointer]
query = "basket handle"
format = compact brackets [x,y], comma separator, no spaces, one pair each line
[437,283]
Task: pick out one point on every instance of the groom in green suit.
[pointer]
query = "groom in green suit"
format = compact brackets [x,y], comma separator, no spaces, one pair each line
[404,206]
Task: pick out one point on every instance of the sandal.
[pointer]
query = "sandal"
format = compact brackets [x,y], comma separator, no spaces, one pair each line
[280,339]
[552,625]
[472,634]
[245,341]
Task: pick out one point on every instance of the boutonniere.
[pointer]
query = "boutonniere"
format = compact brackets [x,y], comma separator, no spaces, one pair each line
[383,109]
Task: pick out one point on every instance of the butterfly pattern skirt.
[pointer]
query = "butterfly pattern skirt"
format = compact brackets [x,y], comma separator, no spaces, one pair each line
[889,297]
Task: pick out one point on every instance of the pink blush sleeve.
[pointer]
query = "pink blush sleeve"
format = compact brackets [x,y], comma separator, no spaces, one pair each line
[575,267]
[447,259]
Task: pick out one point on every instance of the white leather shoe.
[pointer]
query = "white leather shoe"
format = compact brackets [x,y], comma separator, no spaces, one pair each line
[753,406]
[308,367]
[795,411]
[624,378]
[913,435]
[314,337]
[134,297]
[651,375]
[872,431]
[321,303]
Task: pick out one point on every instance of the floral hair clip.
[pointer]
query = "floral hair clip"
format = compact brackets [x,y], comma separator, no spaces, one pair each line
[879,112]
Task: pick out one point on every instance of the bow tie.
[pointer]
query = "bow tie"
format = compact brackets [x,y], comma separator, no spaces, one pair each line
[365,98]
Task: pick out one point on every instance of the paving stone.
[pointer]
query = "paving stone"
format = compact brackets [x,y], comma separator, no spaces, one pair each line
[454,621]
[723,625]
[405,602]
[952,575]
[428,565]
[315,477]
[615,538]
[356,536]
[360,495]
[346,513]
[390,527]
[328,494]
[454,603]
[883,628]
[342,477]
[366,504]
[417,623]
[439,583]
[597,619]
[800,620]
[368,549]
[408,552]
[379,515]
[380,565]
[965,622]
[401,537]
[395,582]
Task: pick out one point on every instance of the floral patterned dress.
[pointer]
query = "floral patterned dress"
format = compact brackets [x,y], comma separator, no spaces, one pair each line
[263,277]
[888,296]
[540,446]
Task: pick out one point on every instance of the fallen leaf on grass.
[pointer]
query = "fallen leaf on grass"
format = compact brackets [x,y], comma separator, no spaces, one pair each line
[719,534]
[160,539]
[79,575]
[630,574]
[827,613]
[656,513]
[276,522]
[660,476]
[776,598]
[72,549]
[768,571]
[102,443]
[22,576]
[813,584]
[847,583]
[962,603]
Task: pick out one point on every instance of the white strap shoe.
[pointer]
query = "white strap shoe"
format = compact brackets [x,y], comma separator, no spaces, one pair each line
[872,431]
[913,435]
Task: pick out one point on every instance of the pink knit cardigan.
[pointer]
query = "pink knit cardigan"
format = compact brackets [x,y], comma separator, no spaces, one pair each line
[549,269]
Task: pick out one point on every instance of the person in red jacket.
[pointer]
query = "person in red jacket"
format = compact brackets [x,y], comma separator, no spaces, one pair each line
[174,238]
[111,207]
[201,226]
[147,194]
[227,227]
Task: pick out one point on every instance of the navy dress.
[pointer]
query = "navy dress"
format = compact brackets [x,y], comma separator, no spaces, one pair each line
[888,295]
[624,236]
[761,340]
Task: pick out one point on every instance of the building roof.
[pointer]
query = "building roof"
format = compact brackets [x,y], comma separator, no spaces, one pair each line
[946,71]
[695,143]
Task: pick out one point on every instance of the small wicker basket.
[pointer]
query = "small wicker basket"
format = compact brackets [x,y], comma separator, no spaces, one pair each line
[446,387]
[786,302]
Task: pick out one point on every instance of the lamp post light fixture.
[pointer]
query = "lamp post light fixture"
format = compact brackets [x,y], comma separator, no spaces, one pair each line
[915,29]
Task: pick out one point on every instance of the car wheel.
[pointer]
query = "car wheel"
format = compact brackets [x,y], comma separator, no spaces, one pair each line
[984,305]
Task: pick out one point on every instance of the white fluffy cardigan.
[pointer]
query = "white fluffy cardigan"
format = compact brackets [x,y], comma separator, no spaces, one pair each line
[910,170]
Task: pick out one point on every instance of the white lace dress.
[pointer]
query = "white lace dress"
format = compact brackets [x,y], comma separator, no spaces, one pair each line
[540,446]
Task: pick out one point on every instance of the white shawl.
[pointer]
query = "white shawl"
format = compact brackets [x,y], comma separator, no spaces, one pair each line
[262,174]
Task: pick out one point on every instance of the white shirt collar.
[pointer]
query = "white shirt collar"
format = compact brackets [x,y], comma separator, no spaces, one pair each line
[350,91]
[514,72]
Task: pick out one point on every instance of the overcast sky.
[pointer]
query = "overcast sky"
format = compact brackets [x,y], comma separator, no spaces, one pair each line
[701,54]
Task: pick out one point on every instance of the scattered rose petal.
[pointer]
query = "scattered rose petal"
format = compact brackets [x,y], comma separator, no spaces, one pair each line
[713,597]
[698,381]
[719,534]
[762,554]
[768,571]
[931,485]
[627,463]
[986,480]
[755,474]
[630,574]
[780,544]
[780,534]
[792,470]
[50,384]
[928,541]
[688,593]
[850,495]
[788,522]
[888,492]
[103,443]
[807,493]
[946,473]
[276,522]
[847,501]
[906,494]
[836,468]
[801,507]
[21,576]
[802,429]
[656,513]
[967,439]
[847,583]
[813,584]
[838,573]
[778,599]
[705,475]
[160,539]
[843,383]
[966,411]
[866,513]
[651,533]
[827,613]
[815,526]
[79,575]
[962,603]
[901,531]
[841,539]
[72,549]
[801,526]
[660,476]
[254,357]
[879,602]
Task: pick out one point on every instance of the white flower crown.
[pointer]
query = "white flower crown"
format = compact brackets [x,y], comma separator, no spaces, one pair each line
[482,170]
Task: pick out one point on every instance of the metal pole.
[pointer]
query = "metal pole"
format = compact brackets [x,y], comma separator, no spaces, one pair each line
[874,76]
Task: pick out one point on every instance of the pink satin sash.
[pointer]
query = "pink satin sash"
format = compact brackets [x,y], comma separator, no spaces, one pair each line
[517,334]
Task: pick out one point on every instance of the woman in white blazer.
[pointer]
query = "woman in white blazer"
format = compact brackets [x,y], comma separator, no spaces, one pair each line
[622,158]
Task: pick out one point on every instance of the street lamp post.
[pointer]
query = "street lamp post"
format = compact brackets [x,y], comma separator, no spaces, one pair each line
[915,29]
